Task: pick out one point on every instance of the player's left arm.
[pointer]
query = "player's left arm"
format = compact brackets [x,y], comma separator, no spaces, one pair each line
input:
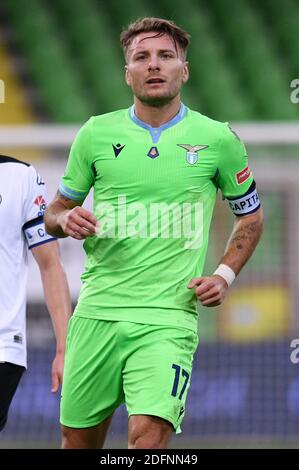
[58,301]
[45,250]
[247,230]
[236,182]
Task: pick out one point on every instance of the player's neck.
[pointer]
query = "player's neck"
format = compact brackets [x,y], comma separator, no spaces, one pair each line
[157,116]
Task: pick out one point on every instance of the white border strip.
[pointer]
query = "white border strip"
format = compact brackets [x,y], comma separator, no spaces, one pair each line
[59,136]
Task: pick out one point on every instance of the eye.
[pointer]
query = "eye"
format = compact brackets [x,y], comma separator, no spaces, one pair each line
[140,57]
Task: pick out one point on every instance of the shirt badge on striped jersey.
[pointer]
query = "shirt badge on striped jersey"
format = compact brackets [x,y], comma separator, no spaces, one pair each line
[153,152]
[191,155]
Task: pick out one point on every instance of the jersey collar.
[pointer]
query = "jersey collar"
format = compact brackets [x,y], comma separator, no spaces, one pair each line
[156,131]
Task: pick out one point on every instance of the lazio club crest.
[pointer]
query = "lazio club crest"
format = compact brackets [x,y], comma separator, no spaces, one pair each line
[191,155]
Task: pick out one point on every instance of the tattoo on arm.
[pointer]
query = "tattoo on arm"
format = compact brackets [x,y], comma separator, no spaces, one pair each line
[243,241]
[248,232]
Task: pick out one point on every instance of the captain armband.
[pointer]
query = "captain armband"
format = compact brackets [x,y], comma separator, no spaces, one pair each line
[35,232]
[246,204]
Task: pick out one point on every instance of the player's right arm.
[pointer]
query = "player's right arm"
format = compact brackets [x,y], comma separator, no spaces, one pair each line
[65,217]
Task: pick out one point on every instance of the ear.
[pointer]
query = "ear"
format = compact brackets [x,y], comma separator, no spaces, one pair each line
[127,76]
[186,72]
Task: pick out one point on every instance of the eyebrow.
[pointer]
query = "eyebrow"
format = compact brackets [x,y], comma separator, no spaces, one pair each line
[144,51]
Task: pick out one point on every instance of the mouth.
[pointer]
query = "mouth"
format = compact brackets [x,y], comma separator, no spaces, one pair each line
[155,81]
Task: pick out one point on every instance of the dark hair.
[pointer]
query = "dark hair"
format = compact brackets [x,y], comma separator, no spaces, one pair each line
[155,25]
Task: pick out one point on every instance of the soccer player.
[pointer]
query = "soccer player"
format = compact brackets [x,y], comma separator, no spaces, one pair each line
[22,205]
[155,169]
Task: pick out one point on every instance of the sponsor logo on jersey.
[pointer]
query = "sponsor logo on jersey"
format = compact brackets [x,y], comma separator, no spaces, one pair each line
[243,175]
[191,155]
[41,203]
[181,412]
[117,149]
[153,152]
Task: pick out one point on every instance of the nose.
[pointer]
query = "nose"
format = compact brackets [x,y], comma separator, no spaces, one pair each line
[153,64]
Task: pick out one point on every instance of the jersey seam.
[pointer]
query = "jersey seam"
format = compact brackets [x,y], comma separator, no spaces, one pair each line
[91,147]
[220,144]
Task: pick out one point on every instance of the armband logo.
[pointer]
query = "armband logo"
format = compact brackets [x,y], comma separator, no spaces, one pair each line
[243,175]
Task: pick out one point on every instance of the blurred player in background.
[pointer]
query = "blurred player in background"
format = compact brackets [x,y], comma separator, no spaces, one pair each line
[22,205]
[154,167]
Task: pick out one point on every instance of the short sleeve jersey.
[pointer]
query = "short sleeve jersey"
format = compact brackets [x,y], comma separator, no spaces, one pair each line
[22,205]
[154,194]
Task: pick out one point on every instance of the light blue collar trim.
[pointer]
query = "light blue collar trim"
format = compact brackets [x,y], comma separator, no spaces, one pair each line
[157,131]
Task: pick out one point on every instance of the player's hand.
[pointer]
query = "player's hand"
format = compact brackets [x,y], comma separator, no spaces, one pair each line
[210,291]
[78,223]
[57,372]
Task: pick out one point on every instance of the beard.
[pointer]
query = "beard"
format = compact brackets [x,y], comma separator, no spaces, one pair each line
[158,100]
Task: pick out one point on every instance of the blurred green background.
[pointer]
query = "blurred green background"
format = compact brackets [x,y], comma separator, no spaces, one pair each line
[243,55]
[60,63]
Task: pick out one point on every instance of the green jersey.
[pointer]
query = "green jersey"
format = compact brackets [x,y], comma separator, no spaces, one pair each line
[154,194]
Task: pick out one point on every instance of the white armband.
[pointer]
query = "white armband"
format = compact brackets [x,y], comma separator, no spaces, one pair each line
[226,272]
[35,233]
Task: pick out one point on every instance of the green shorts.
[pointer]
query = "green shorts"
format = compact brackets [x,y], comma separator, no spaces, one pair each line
[107,363]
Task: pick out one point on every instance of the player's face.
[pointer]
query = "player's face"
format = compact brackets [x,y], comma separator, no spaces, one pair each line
[156,69]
